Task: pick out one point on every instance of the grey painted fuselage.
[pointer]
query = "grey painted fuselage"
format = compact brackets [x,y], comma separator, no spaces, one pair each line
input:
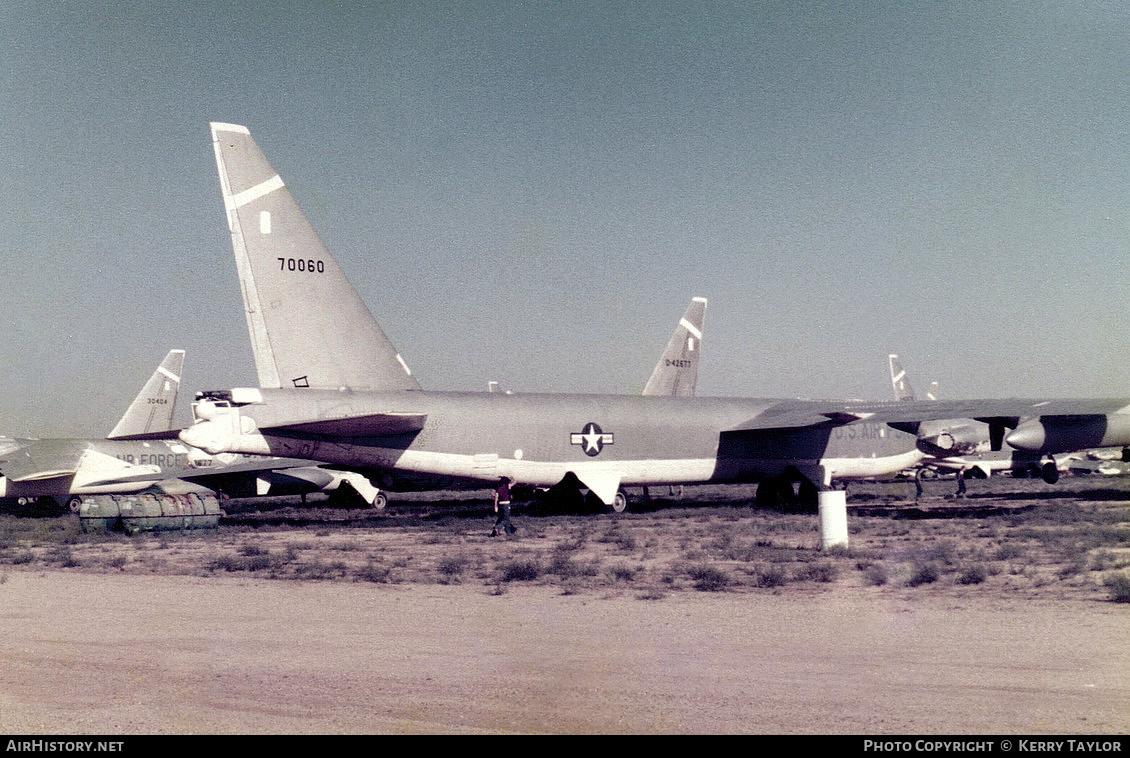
[537,439]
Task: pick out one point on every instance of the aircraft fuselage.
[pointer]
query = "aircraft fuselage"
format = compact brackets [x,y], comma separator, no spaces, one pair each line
[537,439]
[61,467]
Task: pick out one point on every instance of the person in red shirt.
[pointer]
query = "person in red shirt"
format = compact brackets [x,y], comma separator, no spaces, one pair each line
[502,508]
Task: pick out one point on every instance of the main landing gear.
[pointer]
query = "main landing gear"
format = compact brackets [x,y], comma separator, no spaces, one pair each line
[788,495]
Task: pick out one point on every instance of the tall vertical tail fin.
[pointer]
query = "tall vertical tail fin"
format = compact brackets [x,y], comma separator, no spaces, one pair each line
[899,382]
[308,325]
[152,410]
[676,374]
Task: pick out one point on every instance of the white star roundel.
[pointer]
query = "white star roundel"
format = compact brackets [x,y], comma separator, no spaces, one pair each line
[592,439]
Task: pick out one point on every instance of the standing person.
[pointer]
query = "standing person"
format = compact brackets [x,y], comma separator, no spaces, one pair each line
[502,508]
[961,482]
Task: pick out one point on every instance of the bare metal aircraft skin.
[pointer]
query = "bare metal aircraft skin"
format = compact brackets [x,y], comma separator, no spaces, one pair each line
[333,388]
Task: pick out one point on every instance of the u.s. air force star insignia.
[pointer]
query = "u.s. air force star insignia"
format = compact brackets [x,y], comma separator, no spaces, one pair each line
[592,440]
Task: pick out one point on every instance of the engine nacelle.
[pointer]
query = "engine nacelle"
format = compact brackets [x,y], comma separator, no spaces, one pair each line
[949,438]
[1064,434]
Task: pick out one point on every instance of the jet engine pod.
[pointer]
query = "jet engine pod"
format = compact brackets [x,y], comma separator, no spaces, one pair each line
[947,438]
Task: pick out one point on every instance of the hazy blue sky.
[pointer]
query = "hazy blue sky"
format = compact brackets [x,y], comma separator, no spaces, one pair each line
[532,192]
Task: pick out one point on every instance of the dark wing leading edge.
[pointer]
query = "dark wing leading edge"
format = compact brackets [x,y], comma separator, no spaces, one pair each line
[906,414]
[370,425]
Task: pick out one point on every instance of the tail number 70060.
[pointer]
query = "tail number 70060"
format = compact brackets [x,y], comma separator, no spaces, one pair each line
[306,265]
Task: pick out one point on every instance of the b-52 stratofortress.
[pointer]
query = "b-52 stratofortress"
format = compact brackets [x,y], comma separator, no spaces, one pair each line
[143,454]
[341,393]
[51,470]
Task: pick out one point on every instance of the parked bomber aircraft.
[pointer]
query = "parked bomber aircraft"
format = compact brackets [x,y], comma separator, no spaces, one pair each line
[341,393]
[963,445]
[50,471]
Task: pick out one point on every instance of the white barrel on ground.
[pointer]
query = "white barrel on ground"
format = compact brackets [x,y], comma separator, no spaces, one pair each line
[832,505]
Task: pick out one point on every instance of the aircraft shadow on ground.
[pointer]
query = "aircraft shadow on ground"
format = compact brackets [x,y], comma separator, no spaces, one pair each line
[290,511]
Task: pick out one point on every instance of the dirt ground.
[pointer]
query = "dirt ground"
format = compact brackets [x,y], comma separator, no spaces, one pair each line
[695,615]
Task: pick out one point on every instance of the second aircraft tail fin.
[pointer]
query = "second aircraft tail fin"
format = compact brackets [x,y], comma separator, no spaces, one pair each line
[676,374]
[152,410]
[309,327]
[901,385]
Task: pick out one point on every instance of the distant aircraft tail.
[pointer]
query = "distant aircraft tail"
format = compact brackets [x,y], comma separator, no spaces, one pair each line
[308,325]
[676,374]
[152,410]
[901,384]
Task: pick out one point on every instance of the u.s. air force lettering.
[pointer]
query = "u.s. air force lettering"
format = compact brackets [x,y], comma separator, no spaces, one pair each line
[860,432]
[592,440]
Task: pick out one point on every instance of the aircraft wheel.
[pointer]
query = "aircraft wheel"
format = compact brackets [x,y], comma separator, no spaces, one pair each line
[769,494]
[808,498]
[566,497]
[47,503]
[74,503]
[1049,473]
[620,502]
[380,501]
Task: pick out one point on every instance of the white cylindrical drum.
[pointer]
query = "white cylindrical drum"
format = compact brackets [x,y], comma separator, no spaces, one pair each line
[833,518]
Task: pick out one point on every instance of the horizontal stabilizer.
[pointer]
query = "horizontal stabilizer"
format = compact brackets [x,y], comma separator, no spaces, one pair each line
[42,459]
[40,475]
[169,434]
